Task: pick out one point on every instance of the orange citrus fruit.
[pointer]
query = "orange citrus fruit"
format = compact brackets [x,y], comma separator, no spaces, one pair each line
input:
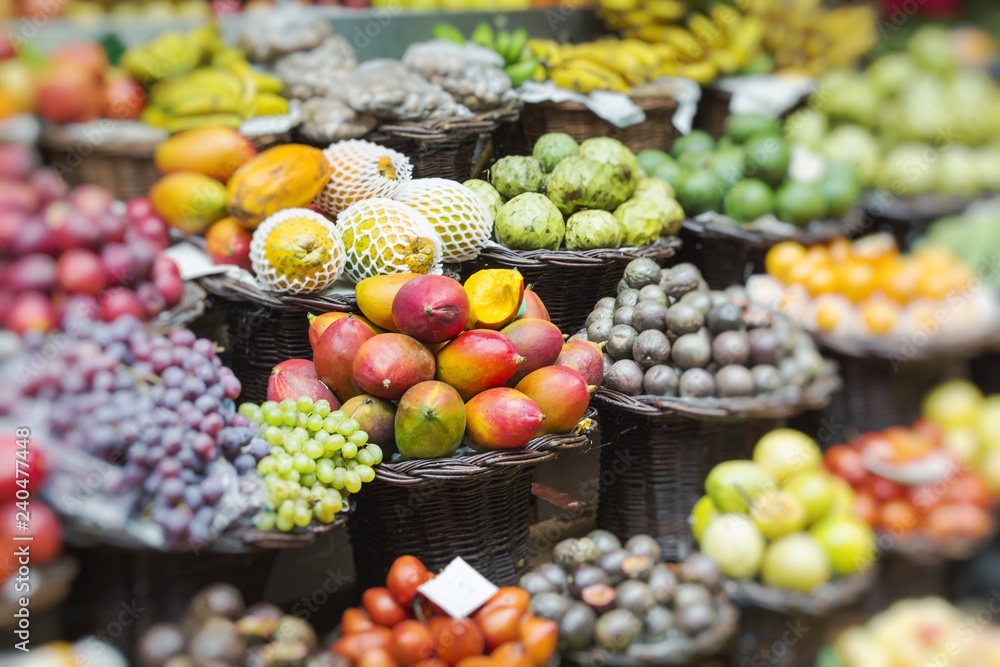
[782,257]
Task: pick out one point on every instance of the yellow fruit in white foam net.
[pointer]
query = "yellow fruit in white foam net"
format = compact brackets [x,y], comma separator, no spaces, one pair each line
[454,210]
[383,236]
[361,170]
[297,250]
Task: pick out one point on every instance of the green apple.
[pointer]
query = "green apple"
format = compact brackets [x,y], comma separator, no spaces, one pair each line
[701,516]
[796,562]
[849,542]
[778,514]
[785,451]
[735,544]
[733,485]
[815,489]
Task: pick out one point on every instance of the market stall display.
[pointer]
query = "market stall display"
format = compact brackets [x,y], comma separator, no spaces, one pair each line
[623,605]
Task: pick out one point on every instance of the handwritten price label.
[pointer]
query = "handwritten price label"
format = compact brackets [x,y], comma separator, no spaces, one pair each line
[459,590]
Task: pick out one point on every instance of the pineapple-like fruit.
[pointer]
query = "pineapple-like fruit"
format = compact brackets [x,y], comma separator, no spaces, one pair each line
[454,210]
[361,170]
[383,236]
[297,250]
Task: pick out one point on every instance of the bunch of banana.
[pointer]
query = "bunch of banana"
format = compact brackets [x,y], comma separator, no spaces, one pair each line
[803,37]
[510,45]
[171,54]
[611,64]
[618,15]
[223,94]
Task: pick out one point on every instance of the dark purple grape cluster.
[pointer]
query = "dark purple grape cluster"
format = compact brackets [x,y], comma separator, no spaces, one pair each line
[162,408]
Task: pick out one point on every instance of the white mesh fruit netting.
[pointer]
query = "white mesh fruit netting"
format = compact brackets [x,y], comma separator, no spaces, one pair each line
[383,236]
[297,250]
[361,170]
[454,210]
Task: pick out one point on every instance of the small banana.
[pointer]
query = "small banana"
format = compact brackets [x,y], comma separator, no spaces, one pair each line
[269,104]
[448,32]
[667,10]
[516,46]
[522,71]
[585,76]
[483,35]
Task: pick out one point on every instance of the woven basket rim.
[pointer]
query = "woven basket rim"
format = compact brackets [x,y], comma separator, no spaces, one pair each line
[644,102]
[903,351]
[815,396]
[448,128]
[187,310]
[724,227]
[689,649]
[663,248]
[837,593]
[421,471]
[925,551]
[924,205]
[233,289]
[55,137]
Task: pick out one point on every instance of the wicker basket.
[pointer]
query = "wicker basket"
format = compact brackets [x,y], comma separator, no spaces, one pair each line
[713,110]
[184,312]
[576,120]
[266,328]
[787,629]
[113,154]
[656,454]
[569,282]
[728,254]
[476,507]
[687,651]
[907,218]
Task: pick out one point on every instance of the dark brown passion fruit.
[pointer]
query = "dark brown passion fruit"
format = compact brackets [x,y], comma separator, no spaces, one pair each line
[617,629]
[552,606]
[537,584]
[662,583]
[600,597]
[600,313]
[611,562]
[696,383]
[624,315]
[625,376]
[661,380]
[585,576]
[599,330]
[649,315]
[700,569]
[644,545]
[651,348]
[635,596]
[606,541]
[576,629]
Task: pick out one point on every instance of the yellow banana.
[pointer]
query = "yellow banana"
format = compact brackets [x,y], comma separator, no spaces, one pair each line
[585,76]
[702,72]
[666,10]
[269,104]
[687,46]
[619,5]
[706,31]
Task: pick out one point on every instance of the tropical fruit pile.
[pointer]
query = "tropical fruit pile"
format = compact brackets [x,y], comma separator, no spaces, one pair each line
[76,251]
[910,630]
[666,334]
[968,421]
[300,217]
[745,175]
[953,505]
[218,626]
[195,81]
[397,626]
[624,598]
[912,123]
[782,517]
[576,196]
[433,364]
[868,288]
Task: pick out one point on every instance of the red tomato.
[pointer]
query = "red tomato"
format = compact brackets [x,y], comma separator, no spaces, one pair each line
[847,463]
[884,490]
[928,430]
[406,573]
[500,625]
[512,654]
[431,662]
[507,596]
[968,488]
[382,607]
[355,620]
[353,647]
[457,639]
[907,444]
[865,508]
[897,516]
[965,520]
[539,637]
[412,642]
[376,657]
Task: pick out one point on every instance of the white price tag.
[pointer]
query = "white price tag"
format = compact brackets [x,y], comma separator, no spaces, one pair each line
[458,590]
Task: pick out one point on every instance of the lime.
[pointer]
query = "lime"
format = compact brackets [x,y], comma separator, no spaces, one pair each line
[728,165]
[697,141]
[695,159]
[651,158]
[670,172]
[700,191]
[767,158]
[840,193]
[748,200]
[744,127]
[800,203]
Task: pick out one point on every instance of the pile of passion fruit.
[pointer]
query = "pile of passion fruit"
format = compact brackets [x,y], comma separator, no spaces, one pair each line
[624,599]
[667,334]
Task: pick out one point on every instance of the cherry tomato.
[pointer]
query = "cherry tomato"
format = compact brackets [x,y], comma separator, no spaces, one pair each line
[958,520]
[457,639]
[897,516]
[929,430]
[865,508]
[353,647]
[405,575]
[376,657]
[512,654]
[382,607]
[884,490]
[508,596]
[412,642]
[539,637]
[355,620]
[968,488]
[500,625]
[847,463]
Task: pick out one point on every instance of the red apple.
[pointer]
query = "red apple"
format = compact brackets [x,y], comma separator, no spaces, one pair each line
[30,311]
[35,272]
[122,98]
[48,184]
[46,532]
[17,160]
[149,228]
[80,232]
[90,56]
[152,301]
[69,94]
[81,272]
[167,278]
[112,227]
[33,469]
[228,242]
[31,235]
[90,200]
[137,207]
[18,196]
[118,302]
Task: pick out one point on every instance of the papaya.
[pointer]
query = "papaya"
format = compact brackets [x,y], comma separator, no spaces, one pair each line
[216,152]
[188,201]
[286,176]
[376,294]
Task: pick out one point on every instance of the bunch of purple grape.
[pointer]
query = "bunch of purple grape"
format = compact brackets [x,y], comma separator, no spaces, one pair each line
[160,407]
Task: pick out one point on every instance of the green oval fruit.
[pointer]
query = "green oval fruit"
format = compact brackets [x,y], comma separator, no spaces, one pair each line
[430,421]
[696,141]
[748,200]
[376,417]
[552,147]
[796,562]
[516,174]
[487,194]
[800,203]
[767,158]
[530,221]
[591,229]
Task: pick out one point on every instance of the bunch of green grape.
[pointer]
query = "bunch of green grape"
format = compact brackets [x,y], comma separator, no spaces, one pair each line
[318,457]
